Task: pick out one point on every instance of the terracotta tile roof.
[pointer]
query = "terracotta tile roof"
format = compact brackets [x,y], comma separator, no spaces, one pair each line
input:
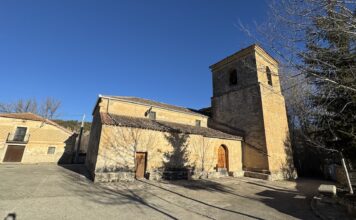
[32,117]
[155,104]
[144,123]
[24,116]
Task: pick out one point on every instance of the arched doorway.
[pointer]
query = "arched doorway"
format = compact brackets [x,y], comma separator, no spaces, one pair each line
[223,158]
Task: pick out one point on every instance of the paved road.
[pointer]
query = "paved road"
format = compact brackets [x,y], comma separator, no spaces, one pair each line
[54,192]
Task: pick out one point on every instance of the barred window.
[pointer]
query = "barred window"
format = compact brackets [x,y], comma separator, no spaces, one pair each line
[51,150]
[20,134]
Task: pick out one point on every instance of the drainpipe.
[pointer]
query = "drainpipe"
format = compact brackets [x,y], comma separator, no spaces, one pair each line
[351,191]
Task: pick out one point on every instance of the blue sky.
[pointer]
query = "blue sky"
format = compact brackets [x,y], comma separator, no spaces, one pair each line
[73,50]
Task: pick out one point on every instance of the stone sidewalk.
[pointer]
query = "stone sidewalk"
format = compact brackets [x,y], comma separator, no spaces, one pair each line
[53,192]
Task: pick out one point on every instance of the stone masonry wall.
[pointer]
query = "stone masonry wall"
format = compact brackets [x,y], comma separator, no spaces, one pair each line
[256,108]
[240,106]
[275,119]
[94,141]
[115,159]
[42,136]
[136,110]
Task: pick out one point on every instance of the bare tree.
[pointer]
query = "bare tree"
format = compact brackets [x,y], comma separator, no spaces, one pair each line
[288,28]
[202,149]
[315,42]
[121,144]
[6,108]
[47,108]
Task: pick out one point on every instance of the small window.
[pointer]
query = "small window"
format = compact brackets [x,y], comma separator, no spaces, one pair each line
[197,123]
[20,134]
[269,76]
[51,150]
[233,77]
[152,115]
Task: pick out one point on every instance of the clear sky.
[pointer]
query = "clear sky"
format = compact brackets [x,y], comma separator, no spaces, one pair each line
[73,50]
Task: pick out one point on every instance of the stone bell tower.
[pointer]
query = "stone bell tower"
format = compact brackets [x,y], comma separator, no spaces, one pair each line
[247,98]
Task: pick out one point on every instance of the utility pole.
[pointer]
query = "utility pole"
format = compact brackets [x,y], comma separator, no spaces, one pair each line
[349,184]
[351,191]
[76,158]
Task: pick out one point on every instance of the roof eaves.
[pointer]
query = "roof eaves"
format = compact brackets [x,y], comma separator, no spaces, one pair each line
[36,118]
[242,53]
[156,106]
[96,104]
[113,122]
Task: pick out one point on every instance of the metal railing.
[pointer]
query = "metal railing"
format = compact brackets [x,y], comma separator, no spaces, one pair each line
[15,138]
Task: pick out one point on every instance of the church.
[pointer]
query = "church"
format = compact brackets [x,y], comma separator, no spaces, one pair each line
[243,133]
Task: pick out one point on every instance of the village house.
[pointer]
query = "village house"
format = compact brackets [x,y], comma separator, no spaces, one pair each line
[244,132]
[28,138]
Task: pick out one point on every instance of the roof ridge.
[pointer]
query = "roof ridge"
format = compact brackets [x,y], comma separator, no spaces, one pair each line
[38,117]
[147,100]
[155,103]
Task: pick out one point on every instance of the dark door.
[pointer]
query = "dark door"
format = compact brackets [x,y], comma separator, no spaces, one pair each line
[140,164]
[222,157]
[14,153]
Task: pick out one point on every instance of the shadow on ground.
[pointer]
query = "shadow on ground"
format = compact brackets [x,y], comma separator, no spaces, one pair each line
[289,198]
[77,168]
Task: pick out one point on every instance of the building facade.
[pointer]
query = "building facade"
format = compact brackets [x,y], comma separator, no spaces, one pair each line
[134,137]
[245,129]
[28,138]
[247,97]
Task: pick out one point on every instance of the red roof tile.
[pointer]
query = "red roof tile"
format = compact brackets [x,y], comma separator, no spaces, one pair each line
[32,117]
[164,126]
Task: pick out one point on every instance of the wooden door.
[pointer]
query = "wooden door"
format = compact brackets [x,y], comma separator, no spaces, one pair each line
[222,157]
[140,165]
[14,153]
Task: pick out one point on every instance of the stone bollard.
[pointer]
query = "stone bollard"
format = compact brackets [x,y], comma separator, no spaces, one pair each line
[327,190]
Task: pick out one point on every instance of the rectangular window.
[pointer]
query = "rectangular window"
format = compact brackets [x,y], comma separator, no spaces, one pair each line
[20,134]
[197,123]
[51,150]
[152,115]
[233,77]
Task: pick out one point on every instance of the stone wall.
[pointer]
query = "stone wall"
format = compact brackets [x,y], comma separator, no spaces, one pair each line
[119,107]
[93,145]
[240,107]
[245,67]
[256,108]
[275,120]
[242,110]
[117,147]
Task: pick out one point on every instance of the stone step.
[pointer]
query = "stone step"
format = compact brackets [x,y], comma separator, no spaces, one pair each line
[256,175]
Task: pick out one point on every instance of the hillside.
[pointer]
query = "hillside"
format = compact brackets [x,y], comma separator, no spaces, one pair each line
[73,125]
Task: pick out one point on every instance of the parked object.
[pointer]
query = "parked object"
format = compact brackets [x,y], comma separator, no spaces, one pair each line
[329,190]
